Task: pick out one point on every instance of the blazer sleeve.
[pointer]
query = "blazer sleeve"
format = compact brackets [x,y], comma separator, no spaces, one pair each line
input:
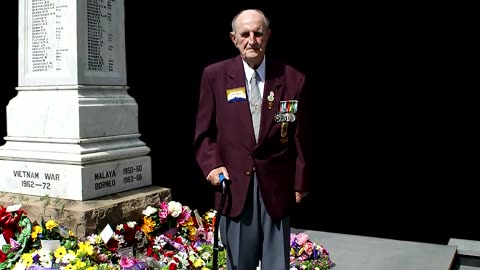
[205,137]
[303,141]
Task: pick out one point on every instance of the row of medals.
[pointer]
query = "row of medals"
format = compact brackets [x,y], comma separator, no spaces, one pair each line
[285,115]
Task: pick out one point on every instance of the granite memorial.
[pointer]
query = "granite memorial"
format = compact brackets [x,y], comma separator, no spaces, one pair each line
[72,128]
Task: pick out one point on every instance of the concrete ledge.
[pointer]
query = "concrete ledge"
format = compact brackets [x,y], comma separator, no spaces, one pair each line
[466,247]
[87,217]
[468,254]
[353,252]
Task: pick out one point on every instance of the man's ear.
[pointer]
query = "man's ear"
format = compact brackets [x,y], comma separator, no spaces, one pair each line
[232,38]
[269,33]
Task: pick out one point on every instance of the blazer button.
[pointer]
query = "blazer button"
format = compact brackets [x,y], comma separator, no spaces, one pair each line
[248,173]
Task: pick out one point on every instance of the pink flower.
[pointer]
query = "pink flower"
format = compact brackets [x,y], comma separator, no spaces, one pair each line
[308,247]
[163,213]
[184,216]
[127,262]
[302,238]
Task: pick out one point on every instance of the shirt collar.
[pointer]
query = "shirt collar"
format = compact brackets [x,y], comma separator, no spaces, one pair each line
[249,71]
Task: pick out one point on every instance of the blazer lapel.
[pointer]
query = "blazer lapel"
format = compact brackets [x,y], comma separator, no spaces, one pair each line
[236,76]
[269,107]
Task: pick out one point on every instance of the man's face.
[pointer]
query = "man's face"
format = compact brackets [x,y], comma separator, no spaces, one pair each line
[250,37]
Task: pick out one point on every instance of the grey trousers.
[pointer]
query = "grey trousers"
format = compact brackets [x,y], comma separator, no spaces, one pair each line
[255,237]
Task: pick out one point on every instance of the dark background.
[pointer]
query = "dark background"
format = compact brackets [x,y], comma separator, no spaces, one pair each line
[394,115]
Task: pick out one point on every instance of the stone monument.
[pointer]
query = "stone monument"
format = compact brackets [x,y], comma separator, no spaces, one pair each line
[72,129]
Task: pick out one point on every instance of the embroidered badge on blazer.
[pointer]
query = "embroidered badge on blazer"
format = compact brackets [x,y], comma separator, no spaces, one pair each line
[236,94]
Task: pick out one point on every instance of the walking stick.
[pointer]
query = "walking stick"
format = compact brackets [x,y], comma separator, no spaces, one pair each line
[217,222]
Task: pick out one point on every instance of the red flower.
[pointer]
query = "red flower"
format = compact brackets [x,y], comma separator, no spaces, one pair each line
[10,219]
[3,257]
[172,266]
[169,253]
[129,235]
[112,244]
[8,234]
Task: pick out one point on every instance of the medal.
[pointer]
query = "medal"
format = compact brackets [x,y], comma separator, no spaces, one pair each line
[293,106]
[291,117]
[278,118]
[283,131]
[283,106]
[270,99]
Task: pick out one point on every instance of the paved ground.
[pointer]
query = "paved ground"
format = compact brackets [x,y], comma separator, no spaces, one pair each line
[351,252]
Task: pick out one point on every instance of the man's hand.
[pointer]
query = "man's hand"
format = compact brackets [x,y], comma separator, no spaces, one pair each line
[300,195]
[214,176]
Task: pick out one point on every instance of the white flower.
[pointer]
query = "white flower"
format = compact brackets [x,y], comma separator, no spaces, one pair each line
[69,257]
[119,238]
[174,208]
[20,266]
[44,255]
[131,224]
[13,208]
[150,210]
[211,214]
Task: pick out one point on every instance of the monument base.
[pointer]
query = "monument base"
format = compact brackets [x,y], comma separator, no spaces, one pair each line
[85,218]
[75,182]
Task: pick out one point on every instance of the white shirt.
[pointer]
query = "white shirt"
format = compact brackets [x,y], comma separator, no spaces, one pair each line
[249,73]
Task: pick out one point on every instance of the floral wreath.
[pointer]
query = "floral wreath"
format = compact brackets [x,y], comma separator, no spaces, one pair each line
[15,227]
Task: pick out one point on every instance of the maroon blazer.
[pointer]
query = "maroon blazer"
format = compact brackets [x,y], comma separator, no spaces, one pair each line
[224,136]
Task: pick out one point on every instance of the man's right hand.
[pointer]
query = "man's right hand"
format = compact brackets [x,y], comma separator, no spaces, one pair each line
[214,176]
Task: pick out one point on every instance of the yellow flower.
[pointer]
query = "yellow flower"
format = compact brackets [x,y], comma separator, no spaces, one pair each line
[192,232]
[85,248]
[60,252]
[27,259]
[35,231]
[198,263]
[148,225]
[51,224]
[80,264]
[190,222]
[70,267]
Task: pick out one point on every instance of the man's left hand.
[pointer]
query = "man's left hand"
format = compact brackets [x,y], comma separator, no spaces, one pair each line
[300,195]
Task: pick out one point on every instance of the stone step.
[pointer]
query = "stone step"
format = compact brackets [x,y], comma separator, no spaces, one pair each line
[91,216]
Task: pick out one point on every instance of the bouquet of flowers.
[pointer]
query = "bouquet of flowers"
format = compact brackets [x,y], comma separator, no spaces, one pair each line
[307,255]
[15,230]
[83,256]
[70,253]
[127,237]
[51,230]
[168,215]
[178,237]
[54,246]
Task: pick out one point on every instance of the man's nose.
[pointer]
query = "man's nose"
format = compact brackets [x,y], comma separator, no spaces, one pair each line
[251,38]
